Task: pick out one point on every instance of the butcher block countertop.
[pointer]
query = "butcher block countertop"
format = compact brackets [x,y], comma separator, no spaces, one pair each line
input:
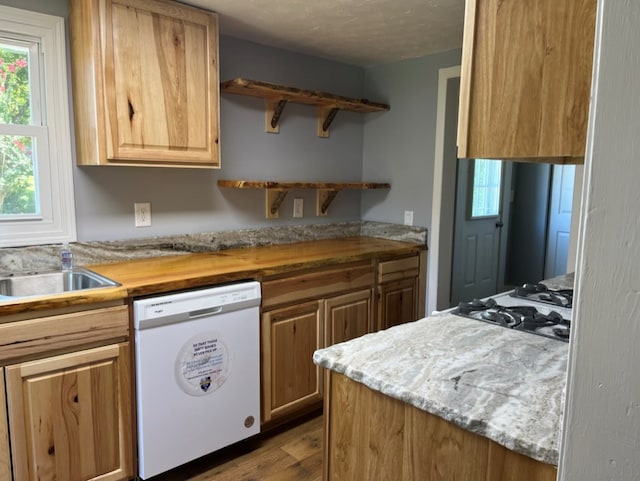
[156,275]
[151,276]
[500,383]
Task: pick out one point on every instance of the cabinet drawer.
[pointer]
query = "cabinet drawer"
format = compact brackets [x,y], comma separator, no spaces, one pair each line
[51,333]
[398,269]
[316,284]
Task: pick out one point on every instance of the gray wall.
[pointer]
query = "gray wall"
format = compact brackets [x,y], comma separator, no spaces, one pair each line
[395,146]
[185,200]
[399,145]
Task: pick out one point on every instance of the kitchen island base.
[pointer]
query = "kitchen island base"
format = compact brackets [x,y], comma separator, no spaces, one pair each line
[369,435]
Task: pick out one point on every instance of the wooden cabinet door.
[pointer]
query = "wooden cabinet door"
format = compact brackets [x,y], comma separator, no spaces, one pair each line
[70,416]
[290,379]
[5,457]
[398,302]
[526,79]
[147,73]
[348,316]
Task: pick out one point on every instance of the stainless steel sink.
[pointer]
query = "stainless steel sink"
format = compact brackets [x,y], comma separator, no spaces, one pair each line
[42,283]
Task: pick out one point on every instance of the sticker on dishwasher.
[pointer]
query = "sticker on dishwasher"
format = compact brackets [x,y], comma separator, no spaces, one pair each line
[203,364]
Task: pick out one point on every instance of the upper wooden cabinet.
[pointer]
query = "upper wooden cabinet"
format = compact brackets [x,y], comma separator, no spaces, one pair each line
[526,79]
[145,83]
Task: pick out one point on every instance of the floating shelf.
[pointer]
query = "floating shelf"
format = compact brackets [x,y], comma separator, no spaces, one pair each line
[275,192]
[277,96]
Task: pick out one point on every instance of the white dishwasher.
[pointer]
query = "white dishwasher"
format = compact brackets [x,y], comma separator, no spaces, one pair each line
[197,373]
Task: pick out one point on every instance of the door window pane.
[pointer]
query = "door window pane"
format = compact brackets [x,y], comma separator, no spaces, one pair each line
[487,178]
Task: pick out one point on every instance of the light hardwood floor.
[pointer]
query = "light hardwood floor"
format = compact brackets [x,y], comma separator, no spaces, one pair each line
[293,453]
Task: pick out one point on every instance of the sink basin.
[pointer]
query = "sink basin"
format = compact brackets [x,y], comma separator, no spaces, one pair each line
[22,284]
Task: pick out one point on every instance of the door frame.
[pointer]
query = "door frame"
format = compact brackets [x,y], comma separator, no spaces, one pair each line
[444,75]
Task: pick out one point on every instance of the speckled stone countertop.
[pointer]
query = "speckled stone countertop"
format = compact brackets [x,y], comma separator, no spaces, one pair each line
[15,259]
[502,384]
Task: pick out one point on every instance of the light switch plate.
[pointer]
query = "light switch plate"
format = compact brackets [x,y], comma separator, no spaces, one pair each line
[298,207]
[408,217]
[142,214]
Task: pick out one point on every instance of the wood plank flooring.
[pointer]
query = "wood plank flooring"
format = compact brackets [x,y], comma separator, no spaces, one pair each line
[293,453]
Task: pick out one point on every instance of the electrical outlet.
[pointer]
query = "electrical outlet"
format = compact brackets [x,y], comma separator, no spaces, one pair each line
[298,207]
[408,217]
[142,214]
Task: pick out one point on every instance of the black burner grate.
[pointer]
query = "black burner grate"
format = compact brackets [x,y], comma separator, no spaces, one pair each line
[541,293]
[524,318]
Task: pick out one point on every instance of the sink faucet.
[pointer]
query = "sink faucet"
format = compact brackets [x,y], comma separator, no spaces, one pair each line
[66,257]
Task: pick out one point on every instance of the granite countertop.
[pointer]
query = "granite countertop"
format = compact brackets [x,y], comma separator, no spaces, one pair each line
[503,384]
[17,259]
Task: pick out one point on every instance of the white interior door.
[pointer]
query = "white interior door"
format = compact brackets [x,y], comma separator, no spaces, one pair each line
[479,229]
[559,227]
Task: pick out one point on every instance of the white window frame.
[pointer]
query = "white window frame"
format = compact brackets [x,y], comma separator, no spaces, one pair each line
[57,221]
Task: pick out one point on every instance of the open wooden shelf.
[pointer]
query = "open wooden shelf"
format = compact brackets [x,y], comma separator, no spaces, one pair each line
[276,191]
[277,96]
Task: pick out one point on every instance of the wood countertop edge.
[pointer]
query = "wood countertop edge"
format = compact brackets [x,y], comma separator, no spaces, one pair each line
[68,299]
[137,286]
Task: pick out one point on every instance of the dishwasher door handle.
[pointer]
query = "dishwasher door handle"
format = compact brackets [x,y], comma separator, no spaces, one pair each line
[205,312]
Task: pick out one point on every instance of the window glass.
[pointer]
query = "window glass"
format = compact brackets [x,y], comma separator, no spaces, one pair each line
[15,91]
[17,176]
[17,159]
[487,179]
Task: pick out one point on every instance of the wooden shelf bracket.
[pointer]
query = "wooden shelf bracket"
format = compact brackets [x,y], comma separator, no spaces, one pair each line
[274,199]
[276,97]
[324,197]
[276,191]
[273,111]
[325,117]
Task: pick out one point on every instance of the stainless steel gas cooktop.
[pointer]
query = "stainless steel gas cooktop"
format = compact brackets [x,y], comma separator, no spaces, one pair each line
[531,315]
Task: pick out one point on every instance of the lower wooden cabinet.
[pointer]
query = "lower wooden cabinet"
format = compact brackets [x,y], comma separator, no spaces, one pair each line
[290,379]
[398,302]
[372,436]
[348,316]
[291,382]
[301,313]
[70,416]
[401,290]
[306,311]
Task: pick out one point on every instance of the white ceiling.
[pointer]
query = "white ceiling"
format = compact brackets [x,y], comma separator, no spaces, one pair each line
[358,32]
